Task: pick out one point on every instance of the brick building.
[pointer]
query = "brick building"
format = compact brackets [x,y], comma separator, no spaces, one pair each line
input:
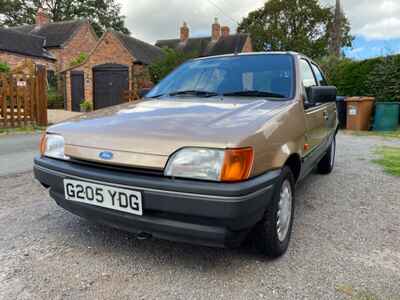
[17,47]
[101,78]
[220,42]
[108,71]
[64,40]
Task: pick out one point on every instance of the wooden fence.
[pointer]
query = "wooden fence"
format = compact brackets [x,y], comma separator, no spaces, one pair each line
[23,99]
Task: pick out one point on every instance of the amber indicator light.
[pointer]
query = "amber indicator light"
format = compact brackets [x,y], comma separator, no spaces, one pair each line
[238,164]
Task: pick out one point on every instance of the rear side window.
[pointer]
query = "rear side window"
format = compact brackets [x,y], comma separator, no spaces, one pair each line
[318,74]
[307,74]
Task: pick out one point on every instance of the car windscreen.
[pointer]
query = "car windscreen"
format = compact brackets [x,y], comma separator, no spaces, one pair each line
[269,75]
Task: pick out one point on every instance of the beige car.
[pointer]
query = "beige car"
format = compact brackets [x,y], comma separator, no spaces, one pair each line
[210,155]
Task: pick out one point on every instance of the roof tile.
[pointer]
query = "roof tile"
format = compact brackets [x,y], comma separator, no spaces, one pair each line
[21,43]
[55,33]
[204,46]
[143,52]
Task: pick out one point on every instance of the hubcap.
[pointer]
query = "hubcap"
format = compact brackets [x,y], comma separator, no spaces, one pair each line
[284,211]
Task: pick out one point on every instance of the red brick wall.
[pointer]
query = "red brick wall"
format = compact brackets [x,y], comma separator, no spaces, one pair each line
[83,41]
[15,59]
[110,51]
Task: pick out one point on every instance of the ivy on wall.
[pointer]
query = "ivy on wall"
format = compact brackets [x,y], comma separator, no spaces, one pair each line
[4,67]
[79,59]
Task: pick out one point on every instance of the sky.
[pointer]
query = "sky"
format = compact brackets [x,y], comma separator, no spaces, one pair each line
[375,23]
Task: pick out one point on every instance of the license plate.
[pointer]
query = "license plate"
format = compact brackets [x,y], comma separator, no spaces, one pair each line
[124,200]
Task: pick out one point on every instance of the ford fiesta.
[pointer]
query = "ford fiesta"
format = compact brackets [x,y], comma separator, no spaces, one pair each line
[210,155]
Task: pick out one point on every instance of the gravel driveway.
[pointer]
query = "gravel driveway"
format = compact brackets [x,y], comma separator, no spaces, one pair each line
[346,237]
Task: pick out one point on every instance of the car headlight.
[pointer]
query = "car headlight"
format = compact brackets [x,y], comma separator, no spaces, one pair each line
[211,164]
[52,145]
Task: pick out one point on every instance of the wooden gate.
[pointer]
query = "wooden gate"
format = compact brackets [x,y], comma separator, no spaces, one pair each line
[23,99]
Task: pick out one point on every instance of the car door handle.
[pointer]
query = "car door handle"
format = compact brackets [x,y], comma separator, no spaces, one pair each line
[326,115]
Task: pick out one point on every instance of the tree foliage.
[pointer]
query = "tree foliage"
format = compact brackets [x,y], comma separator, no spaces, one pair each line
[171,60]
[294,25]
[102,14]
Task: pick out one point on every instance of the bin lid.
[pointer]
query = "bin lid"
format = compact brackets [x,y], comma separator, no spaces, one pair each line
[361,98]
[340,98]
[387,103]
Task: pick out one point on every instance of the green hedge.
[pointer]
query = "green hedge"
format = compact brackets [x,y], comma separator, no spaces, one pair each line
[378,77]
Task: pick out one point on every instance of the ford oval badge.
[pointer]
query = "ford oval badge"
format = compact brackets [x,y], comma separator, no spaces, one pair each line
[106,155]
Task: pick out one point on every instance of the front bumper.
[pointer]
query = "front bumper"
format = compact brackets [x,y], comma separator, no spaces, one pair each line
[205,213]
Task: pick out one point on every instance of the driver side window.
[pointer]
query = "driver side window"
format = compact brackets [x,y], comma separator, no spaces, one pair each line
[307,74]
[308,79]
[320,77]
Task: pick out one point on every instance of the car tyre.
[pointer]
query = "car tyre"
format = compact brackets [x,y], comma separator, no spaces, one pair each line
[272,234]
[327,163]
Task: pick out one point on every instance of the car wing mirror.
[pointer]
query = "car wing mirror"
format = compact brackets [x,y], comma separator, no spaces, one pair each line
[322,94]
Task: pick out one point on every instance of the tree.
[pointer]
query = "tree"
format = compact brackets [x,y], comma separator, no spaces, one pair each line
[336,29]
[294,25]
[102,14]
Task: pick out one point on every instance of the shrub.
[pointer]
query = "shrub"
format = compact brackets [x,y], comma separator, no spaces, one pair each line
[55,100]
[86,106]
[4,67]
[79,59]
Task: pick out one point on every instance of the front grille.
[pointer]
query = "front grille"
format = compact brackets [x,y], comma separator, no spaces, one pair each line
[129,170]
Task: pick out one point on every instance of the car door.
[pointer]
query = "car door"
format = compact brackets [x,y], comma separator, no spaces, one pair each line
[315,114]
[330,114]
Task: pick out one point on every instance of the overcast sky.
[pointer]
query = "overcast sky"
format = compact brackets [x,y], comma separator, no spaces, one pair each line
[375,23]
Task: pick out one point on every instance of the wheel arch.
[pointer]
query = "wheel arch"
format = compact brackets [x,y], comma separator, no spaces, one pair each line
[294,163]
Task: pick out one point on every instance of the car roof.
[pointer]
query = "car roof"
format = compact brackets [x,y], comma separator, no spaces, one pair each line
[292,53]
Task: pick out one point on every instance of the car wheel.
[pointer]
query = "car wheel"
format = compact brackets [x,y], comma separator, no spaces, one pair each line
[272,233]
[327,163]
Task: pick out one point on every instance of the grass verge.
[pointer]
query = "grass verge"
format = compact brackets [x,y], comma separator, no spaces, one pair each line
[389,159]
[386,134]
[18,130]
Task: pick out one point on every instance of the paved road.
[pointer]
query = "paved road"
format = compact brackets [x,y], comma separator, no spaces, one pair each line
[17,153]
[346,238]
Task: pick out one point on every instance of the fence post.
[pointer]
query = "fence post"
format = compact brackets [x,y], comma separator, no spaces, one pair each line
[41,93]
[12,99]
[3,99]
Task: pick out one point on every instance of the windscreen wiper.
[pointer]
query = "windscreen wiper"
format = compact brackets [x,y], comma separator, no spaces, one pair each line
[156,96]
[252,93]
[195,93]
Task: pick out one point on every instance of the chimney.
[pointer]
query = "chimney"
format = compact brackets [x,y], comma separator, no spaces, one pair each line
[41,17]
[216,30]
[225,31]
[184,32]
